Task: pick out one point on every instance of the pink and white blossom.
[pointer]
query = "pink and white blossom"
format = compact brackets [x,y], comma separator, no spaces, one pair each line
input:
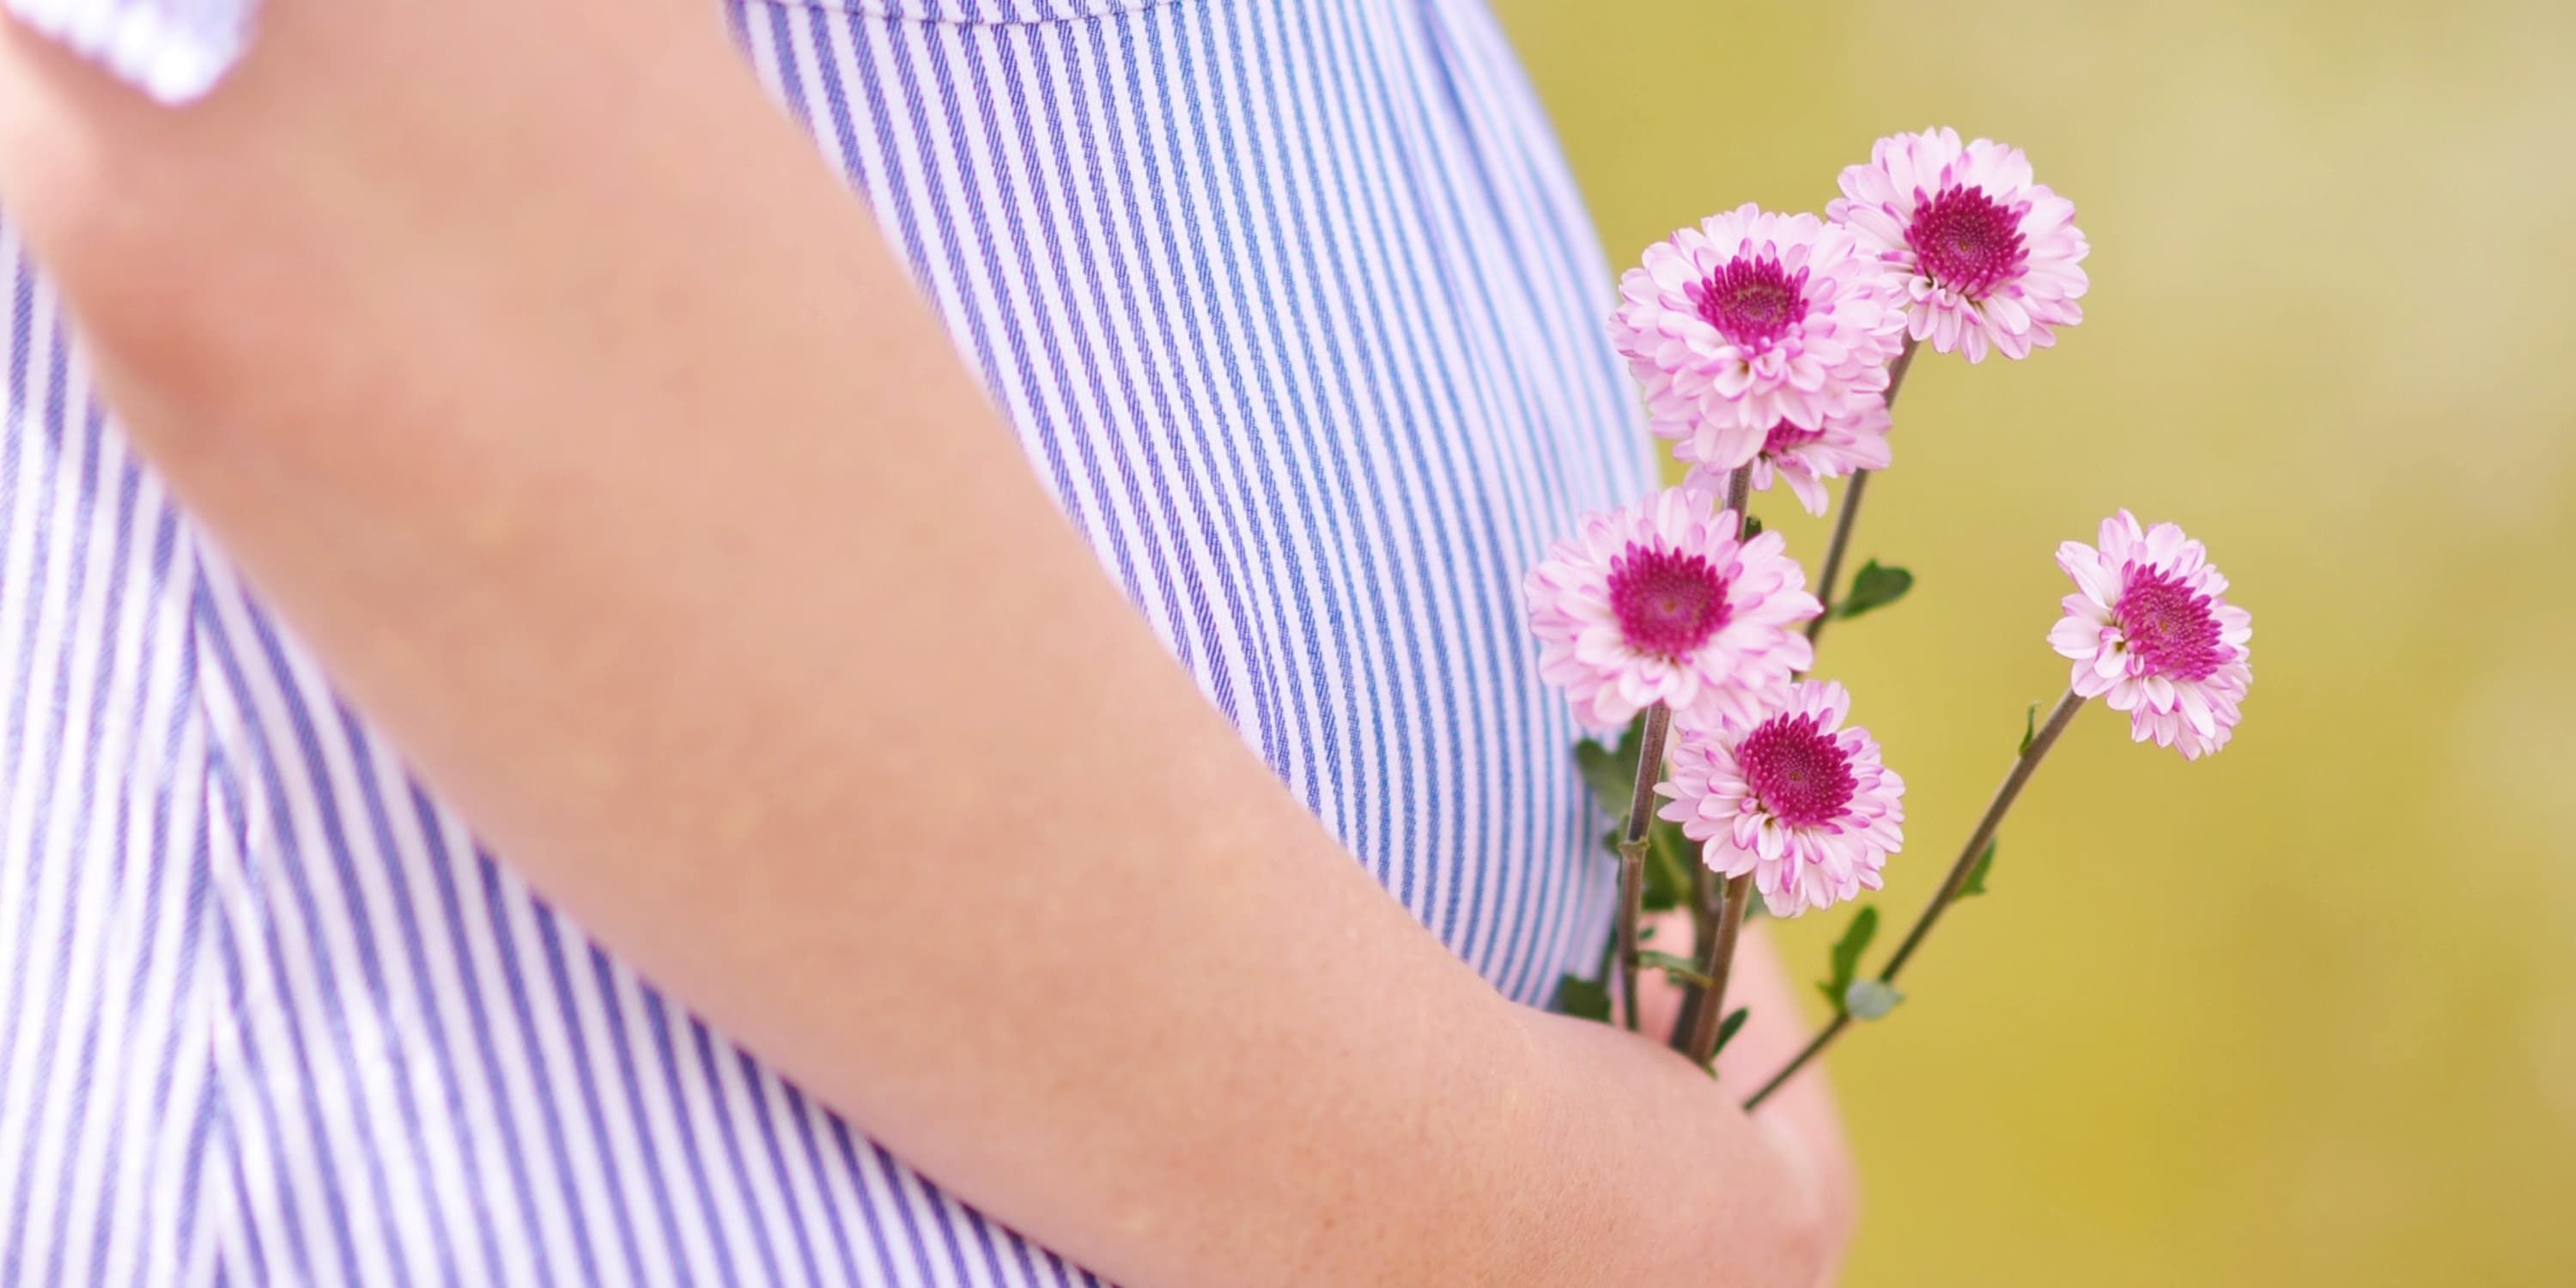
[2152,634]
[1792,797]
[1752,319]
[1987,256]
[1661,602]
[1852,437]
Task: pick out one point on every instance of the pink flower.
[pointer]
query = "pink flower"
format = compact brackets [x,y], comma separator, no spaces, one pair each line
[1793,797]
[1752,319]
[2151,629]
[1660,602]
[1852,437]
[1986,255]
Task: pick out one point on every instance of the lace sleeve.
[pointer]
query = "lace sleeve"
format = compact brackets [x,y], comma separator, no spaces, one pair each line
[173,50]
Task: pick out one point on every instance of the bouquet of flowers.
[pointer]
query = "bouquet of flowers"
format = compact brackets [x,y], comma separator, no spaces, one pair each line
[1771,349]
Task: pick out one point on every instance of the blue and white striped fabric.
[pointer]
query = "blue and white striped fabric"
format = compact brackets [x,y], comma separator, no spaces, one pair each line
[1295,308]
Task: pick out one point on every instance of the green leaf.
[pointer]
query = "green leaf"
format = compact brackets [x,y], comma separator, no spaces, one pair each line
[1582,999]
[1611,769]
[1846,954]
[1976,883]
[1871,999]
[1667,873]
[1668,860]
[1682,970]
[1611,780]
[1726,1027]
[2029,728]
[1611,773]
[1752,526]
[1874,588]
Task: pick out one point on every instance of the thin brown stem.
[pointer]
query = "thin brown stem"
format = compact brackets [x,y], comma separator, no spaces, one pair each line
[1632,892]
[1896,371]
[1708,899]
[1831,575]
[1815,1047]
[1717,965]
[1632,851]
[2024,766]
[1844,521]
[1706,907]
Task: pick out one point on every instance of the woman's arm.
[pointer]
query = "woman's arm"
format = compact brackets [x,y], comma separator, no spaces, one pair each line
[531,363]
[1802,1113]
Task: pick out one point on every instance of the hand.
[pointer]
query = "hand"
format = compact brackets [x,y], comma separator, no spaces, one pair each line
[1800,1119]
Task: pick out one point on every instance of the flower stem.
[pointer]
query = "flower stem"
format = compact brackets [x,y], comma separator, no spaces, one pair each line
[1632,851]
[1707,900]
[1706,904]
[1717,965]
[1815,1047]
[1845,521]
[2023,766]
[1739,490]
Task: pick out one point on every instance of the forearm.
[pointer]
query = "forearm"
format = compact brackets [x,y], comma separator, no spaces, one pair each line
[605,456]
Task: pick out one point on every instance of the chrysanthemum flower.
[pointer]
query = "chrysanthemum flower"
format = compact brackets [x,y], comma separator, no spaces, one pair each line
[1660,602]
[1987,255]
[1752,319]
[1792,797]
[2152,634]
[1852,437]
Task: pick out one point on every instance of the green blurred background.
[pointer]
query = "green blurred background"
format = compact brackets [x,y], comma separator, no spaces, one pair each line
[2304,1013]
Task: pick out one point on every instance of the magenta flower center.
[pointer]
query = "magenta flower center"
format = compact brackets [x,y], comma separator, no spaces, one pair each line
[1966,242]
[1668,603]
[2170,630]
[1797,770]
[1786,435]
[1751,301]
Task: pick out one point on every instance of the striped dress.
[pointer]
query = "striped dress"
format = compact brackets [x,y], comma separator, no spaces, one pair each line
[1297,314]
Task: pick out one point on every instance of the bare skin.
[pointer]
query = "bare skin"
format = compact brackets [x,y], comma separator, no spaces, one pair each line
[643,542]
[1802,1112]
